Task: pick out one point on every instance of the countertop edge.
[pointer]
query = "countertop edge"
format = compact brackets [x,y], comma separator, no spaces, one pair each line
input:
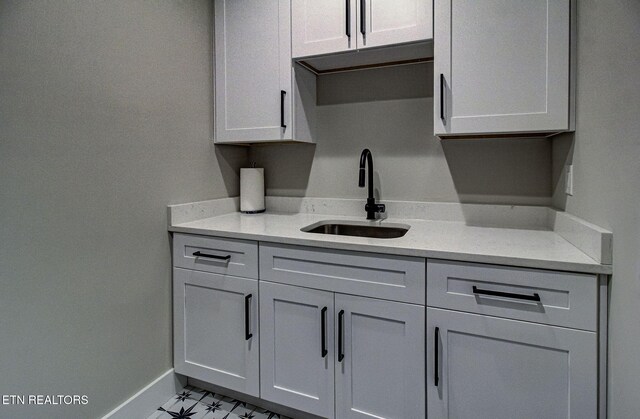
[592,240]
[594,268]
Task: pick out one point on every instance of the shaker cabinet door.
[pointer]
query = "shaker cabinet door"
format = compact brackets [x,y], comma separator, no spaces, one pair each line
[322,27]
[388,22]
[216,336]
[296,351]
[486,367]
[252,70]
[379,359]
[502,66]
[325,27]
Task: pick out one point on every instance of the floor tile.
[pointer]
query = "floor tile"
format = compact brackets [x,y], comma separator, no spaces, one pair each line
[195,403]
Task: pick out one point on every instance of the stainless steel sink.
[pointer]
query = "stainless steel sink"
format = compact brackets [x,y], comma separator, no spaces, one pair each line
[359,229]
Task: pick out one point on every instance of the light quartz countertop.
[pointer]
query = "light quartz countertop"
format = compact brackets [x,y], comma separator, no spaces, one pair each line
[452,240]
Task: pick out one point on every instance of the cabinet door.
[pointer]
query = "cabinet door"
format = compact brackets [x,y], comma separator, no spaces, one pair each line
[499,368]
[216,329]
[386,22]
[296,369]
[381,373]
[322,27]
[502,66]
[252,69]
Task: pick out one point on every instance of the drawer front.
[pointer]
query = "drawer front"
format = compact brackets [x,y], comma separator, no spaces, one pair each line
[217,255]
[398,278]
[565,299]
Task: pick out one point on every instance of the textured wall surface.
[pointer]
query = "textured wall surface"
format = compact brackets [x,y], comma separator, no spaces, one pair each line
[105,118]
[605,153]
[390,111]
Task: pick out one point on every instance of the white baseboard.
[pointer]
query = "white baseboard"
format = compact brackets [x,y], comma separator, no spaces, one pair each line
[146,401]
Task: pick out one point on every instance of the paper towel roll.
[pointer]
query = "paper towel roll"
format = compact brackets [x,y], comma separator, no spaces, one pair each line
[252,190]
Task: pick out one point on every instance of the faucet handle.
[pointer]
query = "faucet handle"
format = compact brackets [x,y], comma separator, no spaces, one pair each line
[375,207]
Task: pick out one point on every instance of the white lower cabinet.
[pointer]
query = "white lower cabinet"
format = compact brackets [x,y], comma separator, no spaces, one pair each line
[486,367]
[216,329]
[380,364]
[296,369]
[313,334]
[368,352]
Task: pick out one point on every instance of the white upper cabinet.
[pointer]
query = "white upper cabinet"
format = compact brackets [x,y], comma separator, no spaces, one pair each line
[503,66]
[387,22]
[258,94]
[325,27]
[322,27]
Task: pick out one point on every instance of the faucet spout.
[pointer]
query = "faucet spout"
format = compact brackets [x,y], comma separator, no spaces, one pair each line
[371,207]
[366,157]
[361,177]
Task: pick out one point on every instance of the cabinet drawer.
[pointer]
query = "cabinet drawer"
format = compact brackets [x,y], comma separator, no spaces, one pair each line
[565,299]
[398,278]
[217,255]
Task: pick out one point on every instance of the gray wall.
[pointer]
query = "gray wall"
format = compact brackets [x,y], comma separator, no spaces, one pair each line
[605,152]
[390,111]
[105,118]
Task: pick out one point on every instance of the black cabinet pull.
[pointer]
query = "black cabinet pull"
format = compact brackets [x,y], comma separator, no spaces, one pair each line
[348,19]
[534,297]
[363,18]
[442,116]
[436,362]
[323,319]
[340,333]
[282,95]
[206,255]
[247,313]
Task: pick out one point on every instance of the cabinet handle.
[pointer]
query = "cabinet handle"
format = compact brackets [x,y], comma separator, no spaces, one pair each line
[442,115]
[323,319]
[534,297]
[436,362]
[340,333]
[348,19]
[282,95]
[206,255]
[363,18]
[247,313]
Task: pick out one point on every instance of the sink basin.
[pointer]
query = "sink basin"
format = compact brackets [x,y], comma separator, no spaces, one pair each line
[359,229]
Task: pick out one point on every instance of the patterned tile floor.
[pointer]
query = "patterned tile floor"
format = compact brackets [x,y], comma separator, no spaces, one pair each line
[194,403]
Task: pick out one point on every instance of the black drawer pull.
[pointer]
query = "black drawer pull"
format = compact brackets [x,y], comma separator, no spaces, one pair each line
[363,18]
[340,333]
[442,82]
[323,320]
[206,255]
[348,19]
[282,95]
[436,361]
[534,297]
[247,313]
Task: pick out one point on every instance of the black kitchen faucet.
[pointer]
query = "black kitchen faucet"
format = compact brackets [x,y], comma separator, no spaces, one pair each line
[371,207]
